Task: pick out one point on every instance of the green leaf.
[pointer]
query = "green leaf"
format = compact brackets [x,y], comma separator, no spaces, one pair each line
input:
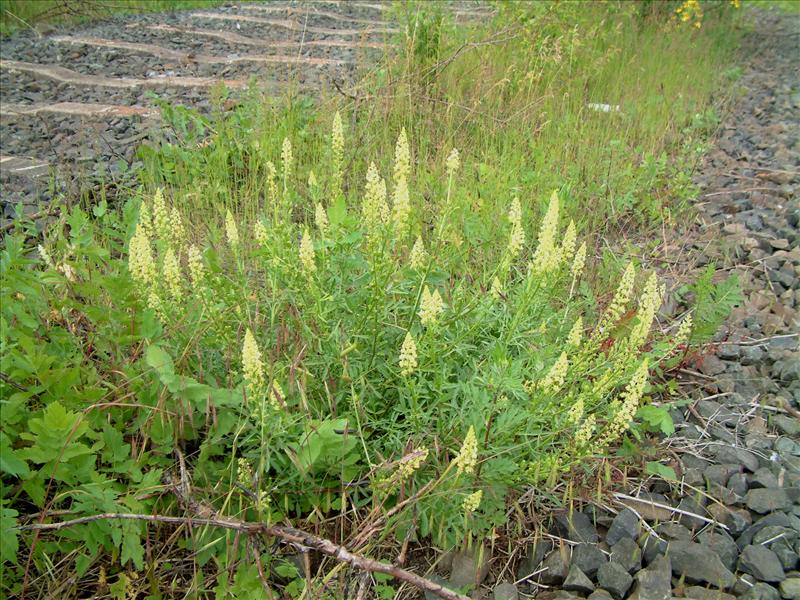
[657,418]
[10,463]
[663,471]
[9,542]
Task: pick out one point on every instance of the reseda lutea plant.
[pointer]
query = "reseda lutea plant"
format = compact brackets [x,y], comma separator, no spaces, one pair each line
[353,361]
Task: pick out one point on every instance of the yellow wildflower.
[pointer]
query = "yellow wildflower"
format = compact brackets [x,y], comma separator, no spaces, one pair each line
[272,188]
[307,253]
[177,231]
[546,257]
[140,259]
[684,331]
[161,217]
[154,302]
[337,151]
[231,231]
[252,366]
[579,261]
[276,395]
[145,219]
[568,243]
[408,355]
[321,219]
[497,288]
[467,457]
[472,502]
[515,213]
[374,208]
[431,306]
[244,472]
[196,269]
[260,233]
[575,413]
[287,159]
[402,207]
[620,301]
[453,162]
[576,333]
[556,375]
[627,405]
[585,431]
[650,303]
[410,463]
[417,257]
[516,242]
[172,275]
[45,256]
[402,158]
[312,180]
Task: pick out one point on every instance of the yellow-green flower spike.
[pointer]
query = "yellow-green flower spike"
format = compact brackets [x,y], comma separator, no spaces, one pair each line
[410,463]
[557,374]
[287,160]
[196,268]
[408,355]
[546,257]
[172,275]
[402,158]
[431,306]
[579,262]
[307,253]
[401,208]
[472,502]
[416,258]
[260,233]
[161,217]
[231,231]
[252,365]
[453,162]
[576,333]
[567,249]
[321,219]
[467,458]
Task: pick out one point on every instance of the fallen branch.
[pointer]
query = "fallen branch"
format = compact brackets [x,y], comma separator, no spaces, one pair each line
[290,535]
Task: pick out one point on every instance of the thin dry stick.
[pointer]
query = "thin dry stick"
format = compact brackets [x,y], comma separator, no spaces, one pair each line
[290,535]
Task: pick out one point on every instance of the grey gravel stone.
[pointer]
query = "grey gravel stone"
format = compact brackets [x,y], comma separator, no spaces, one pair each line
[588,558]
[600,594]
[761,591]
[721,543]
[625,524]
[577,581]
[614,579]
[790,588]
[696,592]
[505,591]
[761,563]
[556,566]
[469,567]
[576,527]
[763,478]
[765,500]
[698,563]
[627,554]
[654,582]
